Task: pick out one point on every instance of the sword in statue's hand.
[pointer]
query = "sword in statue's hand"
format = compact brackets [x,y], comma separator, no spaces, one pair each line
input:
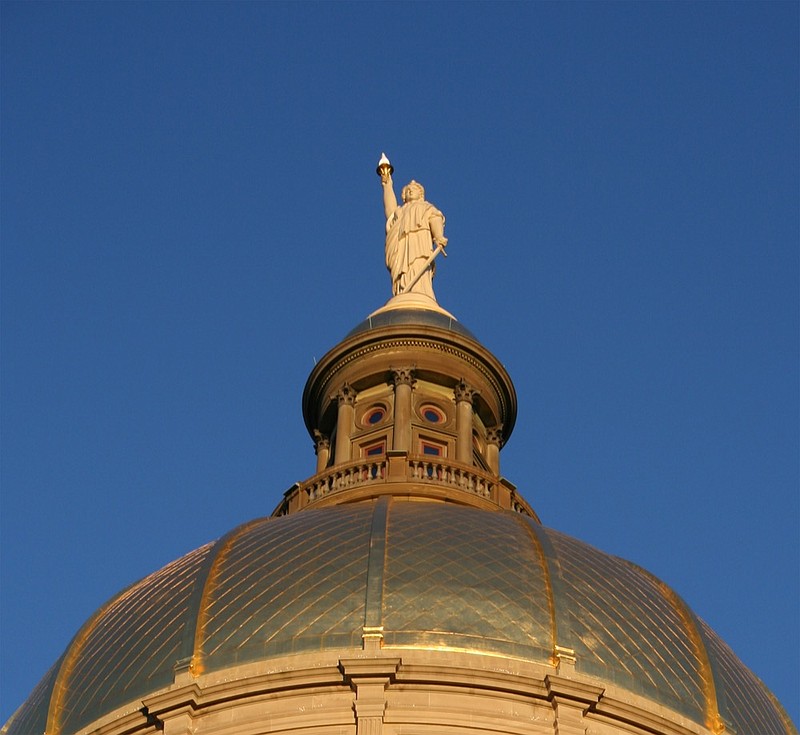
[436,253]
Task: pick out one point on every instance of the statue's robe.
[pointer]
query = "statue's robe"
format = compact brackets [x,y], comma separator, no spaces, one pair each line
[409,246]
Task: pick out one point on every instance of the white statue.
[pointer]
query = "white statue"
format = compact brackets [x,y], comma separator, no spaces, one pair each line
[412,231]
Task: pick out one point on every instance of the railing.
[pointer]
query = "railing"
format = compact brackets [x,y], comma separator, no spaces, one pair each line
[441,473]
[398,467]
[343,478]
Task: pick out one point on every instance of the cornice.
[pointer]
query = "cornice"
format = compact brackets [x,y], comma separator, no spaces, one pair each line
[413,341]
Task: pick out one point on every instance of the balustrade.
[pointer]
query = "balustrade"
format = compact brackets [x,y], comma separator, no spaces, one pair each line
[418,469]
[342,478]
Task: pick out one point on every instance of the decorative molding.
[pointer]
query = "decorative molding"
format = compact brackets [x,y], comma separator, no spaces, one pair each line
[346,395]
[372,636]
[403,376]
[565,659]
[426,344]
[369,679]
[463,391]
[321,441]
[337,692]
[494,435]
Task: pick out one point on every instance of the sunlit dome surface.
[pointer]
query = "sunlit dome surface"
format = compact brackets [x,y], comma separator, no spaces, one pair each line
[452,577]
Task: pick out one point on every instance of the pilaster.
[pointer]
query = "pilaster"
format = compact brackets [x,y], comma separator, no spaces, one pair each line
[571,700]
[174,711]
[369,679]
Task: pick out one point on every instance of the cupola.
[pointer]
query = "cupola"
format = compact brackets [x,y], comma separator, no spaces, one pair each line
[408,396]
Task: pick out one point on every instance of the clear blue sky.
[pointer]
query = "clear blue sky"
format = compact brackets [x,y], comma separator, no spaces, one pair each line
[191,215]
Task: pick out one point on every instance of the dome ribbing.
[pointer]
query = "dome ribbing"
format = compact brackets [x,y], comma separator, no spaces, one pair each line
[452,578]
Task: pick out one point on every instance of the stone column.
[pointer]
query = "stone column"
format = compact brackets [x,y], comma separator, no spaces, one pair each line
[322,446]
[494,440]
[346,398]
[464,395]
[403,383]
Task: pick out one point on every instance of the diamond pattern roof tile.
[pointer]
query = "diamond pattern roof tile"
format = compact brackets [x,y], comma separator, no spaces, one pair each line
[466,578]
[622,626]
[434,576]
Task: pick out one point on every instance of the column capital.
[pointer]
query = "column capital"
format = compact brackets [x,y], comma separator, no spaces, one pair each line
[463,391]
[403,376]
[369,679]
[571,700]
[321,441]
[568,689]
[346,395]
[375,669]
[494,435]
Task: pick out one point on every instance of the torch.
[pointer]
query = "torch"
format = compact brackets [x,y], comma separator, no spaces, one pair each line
[385,169]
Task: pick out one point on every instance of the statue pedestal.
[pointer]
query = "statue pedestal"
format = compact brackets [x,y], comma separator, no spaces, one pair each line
[412,301]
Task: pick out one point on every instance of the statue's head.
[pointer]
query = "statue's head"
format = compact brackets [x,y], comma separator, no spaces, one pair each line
[413,191]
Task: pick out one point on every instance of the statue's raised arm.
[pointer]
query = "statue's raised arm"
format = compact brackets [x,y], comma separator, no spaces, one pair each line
[412,230]
[385,170]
